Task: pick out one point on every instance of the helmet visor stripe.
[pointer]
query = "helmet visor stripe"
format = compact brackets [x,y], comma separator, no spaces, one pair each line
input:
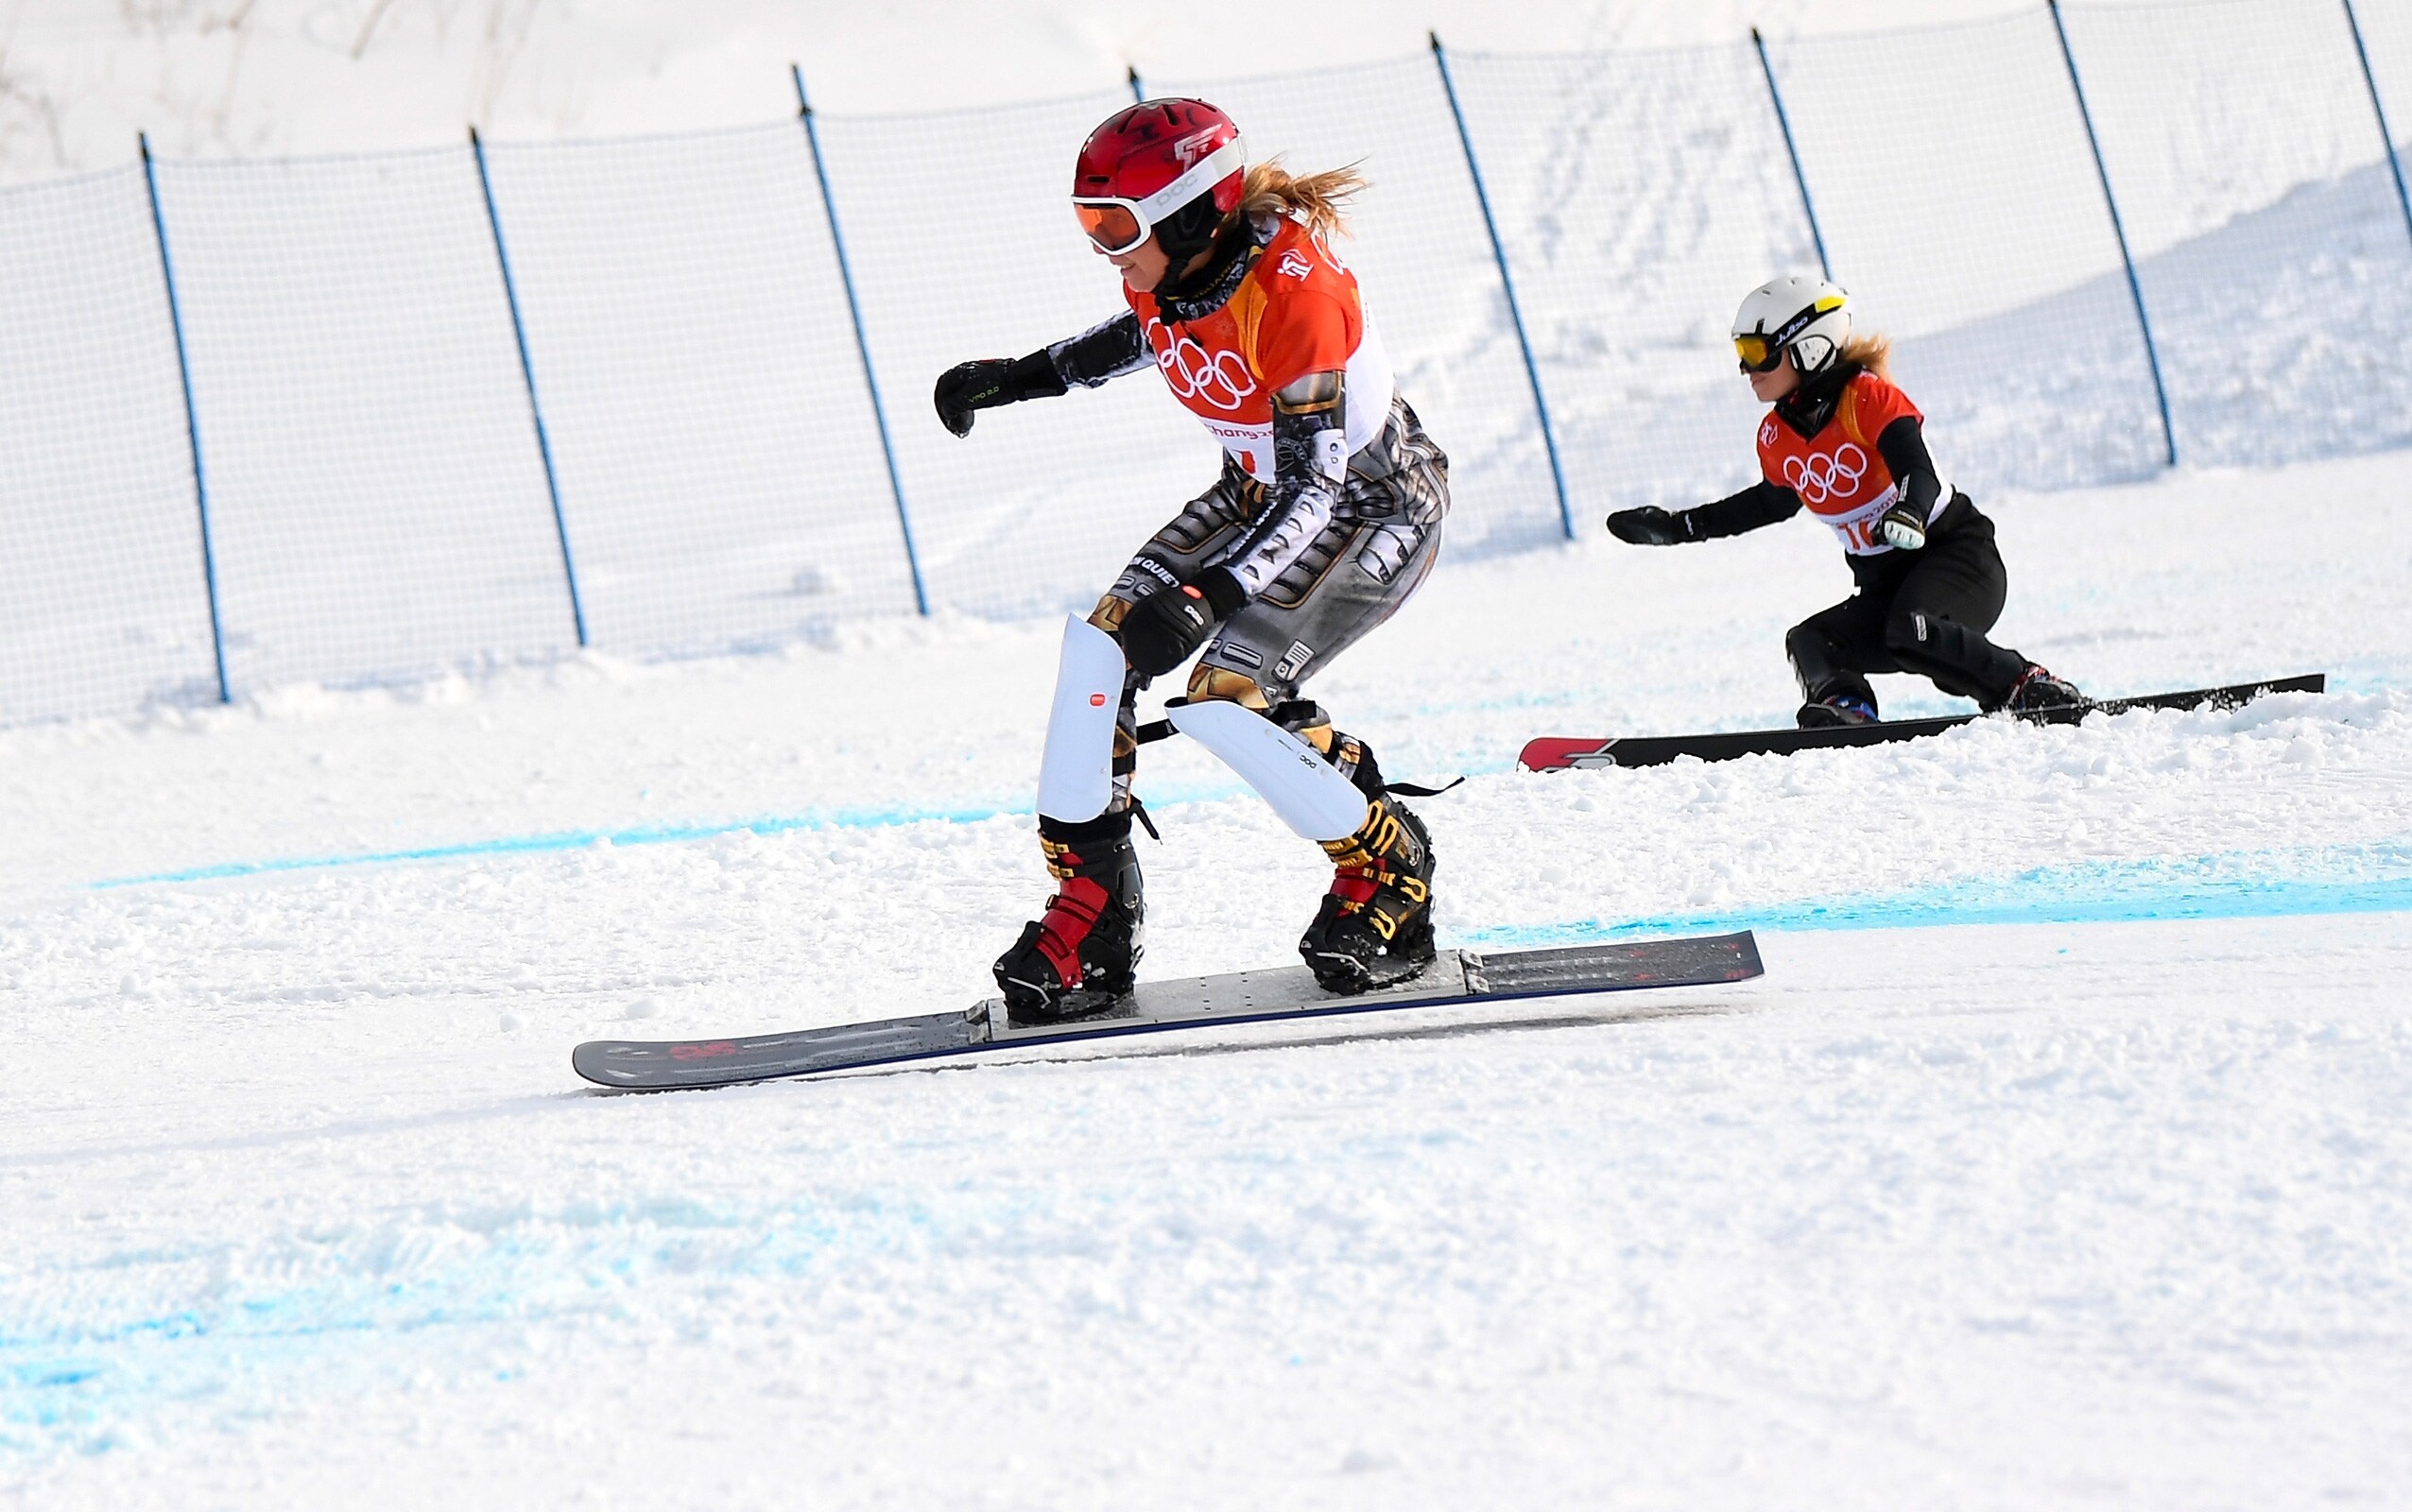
[1201,176]
[1760,350]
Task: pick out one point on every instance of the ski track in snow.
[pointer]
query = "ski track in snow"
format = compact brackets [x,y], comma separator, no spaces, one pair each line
[2061,1158]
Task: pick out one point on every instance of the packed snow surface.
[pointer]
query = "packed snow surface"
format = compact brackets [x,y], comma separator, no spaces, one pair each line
[2062,1157]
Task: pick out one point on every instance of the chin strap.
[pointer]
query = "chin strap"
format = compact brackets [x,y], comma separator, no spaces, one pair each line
[1200,294]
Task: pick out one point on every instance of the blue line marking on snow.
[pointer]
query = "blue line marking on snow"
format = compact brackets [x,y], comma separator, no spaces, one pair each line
[2105,895]
[1472,762]
[868,818]
[570,840]
[75,1385]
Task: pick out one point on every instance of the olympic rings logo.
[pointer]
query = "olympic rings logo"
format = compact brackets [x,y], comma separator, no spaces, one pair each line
[1219,379]
[1820,475]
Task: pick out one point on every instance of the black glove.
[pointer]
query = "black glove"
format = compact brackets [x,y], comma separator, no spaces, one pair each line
[1651,526]
[991,382]
[1163,629]
[1901,527]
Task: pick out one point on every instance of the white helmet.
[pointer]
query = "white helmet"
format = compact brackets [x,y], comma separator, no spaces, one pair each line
[1806,316]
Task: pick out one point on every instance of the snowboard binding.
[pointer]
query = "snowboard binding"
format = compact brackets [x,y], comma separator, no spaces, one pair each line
[1081,958]
[1374,927]
[1837,711]
[2038,691]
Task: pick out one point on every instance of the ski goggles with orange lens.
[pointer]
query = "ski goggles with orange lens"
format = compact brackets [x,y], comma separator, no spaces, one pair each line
[1117,225]
[1114,225]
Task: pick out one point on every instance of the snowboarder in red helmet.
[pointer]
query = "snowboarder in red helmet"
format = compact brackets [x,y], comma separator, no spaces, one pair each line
[1171,167]
[1325,518]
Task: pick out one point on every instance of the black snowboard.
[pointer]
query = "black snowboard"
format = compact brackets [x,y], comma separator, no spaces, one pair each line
[1552,752]
[1242,997]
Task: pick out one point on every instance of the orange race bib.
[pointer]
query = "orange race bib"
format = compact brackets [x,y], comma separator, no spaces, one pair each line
[1295,312]
[1840,473]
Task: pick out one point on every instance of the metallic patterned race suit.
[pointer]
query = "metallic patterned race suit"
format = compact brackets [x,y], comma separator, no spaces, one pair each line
[1325,519]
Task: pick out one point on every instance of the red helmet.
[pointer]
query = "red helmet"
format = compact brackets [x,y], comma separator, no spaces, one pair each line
[1173,166]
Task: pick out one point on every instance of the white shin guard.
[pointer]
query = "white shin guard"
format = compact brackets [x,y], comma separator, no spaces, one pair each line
[1308,792]
[1076,776]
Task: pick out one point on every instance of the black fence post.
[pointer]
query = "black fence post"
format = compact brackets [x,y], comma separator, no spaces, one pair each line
[1508,283]
[862,342]
[527,373]
[1791,151]
[192,424]
[2119,230]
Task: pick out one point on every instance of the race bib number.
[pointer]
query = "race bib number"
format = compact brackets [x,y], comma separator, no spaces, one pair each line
[1857,529]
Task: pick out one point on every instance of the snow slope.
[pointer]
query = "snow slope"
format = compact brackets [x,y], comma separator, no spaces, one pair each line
[275,78]
[2061,1158]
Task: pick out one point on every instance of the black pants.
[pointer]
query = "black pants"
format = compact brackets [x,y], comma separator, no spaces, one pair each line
[1924,611]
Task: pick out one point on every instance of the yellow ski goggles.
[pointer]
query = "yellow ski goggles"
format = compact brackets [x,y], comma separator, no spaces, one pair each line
[1758,354]
[1760,351]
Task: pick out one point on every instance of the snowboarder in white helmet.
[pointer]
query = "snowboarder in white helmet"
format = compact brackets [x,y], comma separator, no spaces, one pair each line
[1846,442]
[1325,519]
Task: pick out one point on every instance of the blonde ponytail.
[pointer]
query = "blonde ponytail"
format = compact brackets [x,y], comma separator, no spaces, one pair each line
[1319,199]
[1871,351]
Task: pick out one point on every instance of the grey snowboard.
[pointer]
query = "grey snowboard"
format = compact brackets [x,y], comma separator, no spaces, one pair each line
[1242,997]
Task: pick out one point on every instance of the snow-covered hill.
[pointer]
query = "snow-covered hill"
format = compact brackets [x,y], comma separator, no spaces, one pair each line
[2061,1158]
[267,77]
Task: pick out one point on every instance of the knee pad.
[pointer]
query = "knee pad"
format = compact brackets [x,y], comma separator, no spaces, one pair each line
[1222,682]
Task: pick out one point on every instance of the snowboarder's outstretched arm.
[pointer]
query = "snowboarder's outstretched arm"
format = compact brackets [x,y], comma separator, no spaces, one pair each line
[1760,504]
[1103,352]
[1310,469]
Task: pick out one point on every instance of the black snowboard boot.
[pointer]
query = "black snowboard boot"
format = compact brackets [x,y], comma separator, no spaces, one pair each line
[2037,690]
[1836,710]
[1375,925]
[1081,958]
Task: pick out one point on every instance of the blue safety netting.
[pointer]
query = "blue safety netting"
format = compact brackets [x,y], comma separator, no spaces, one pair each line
[376,493]
[1961,208]
[379,503]
[712,432]
[103,601]
[2247,159]
[1639,197]
[2385,28]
